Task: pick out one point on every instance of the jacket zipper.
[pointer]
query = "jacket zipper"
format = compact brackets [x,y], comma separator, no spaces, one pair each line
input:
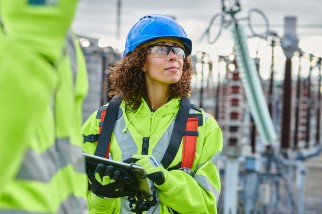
[145,146]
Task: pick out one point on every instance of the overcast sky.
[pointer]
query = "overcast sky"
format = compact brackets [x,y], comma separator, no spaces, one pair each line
[98,18]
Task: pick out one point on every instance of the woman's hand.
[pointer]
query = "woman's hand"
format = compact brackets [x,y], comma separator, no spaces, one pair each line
[153,168]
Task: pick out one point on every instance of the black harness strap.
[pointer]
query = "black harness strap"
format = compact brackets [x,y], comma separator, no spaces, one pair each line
[177,133]
[108,126]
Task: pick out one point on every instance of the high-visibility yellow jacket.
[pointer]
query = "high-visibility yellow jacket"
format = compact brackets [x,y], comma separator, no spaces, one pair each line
[41,163]
[180,192]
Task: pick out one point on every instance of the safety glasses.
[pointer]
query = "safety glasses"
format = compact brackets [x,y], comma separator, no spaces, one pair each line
[163,51]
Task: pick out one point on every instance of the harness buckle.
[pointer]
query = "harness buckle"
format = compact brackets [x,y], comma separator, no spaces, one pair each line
[188,171]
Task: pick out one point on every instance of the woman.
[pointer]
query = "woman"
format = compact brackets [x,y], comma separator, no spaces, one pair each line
[152,79]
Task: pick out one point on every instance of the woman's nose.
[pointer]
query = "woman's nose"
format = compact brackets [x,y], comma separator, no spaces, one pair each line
[172,55]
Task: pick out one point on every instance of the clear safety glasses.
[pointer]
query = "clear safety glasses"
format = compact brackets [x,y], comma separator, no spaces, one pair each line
[163,51]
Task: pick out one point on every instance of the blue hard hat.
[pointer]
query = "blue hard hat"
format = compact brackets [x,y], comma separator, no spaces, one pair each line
[152,27]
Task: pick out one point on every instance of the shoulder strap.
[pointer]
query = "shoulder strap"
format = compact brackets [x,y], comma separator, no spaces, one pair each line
[103,145]
[189,142]
[177,133]
[190,138]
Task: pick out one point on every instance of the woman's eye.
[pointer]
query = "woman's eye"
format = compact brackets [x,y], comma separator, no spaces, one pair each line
[162,50]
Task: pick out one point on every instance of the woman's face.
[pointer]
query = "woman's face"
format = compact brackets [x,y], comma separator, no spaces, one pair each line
[162,68]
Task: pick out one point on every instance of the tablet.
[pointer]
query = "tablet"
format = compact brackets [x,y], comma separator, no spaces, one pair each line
[135,170]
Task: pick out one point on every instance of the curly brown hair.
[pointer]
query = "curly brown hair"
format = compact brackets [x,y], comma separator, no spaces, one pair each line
[127,79]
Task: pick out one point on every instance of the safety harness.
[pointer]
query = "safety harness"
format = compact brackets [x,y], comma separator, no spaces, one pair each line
[185,126]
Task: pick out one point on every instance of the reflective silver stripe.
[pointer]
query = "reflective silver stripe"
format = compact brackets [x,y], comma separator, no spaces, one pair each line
[213,160]
[204,183]
[73,204]
[124,140]
[41,167]
[162,145]
[20,212]
[71,154]
[125,208]
[71,51]
[206,116]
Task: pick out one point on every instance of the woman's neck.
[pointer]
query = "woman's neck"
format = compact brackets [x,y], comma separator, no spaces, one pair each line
[158,96]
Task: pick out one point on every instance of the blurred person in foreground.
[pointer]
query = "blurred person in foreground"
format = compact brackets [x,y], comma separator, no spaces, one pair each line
[43,81]
[153,80]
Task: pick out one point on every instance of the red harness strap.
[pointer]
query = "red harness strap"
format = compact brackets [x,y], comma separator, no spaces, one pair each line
[107,154]
[189,143]
[103,113]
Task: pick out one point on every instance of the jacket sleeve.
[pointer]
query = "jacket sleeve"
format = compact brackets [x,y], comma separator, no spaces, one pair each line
[99,205]
[32,44]
[200,193]
[96,204]
[26,93]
